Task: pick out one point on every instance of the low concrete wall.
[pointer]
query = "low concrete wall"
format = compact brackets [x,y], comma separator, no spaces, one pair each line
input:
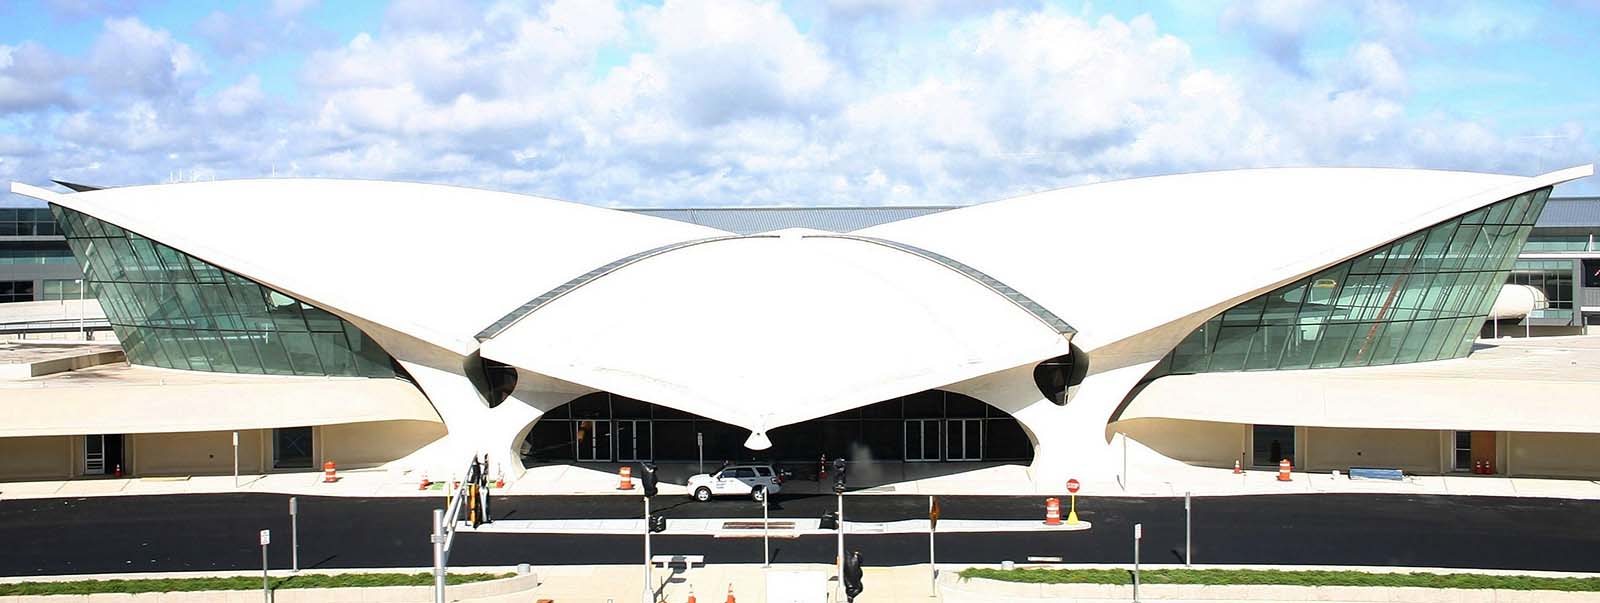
[35,458]
[1204,443]
[953,590]
[1554,454]
[370,444]
[493,591]
[1414,450]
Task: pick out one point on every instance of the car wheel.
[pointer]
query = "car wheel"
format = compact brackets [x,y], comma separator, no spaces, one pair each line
[702,494]
[758,494]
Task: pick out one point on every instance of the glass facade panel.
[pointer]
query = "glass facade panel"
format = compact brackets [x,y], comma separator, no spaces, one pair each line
[175,311]
[1417,298]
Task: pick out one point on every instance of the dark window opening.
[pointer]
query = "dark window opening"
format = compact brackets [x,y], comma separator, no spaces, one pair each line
[291,448]
[500,379]
[1056,376]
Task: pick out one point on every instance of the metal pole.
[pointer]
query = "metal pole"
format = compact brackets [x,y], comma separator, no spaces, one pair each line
[266,592]
[1124,462]
[648,595]
[1138,534]
[840,561]
[933,566]
[82,332]
[294,532]
[700,444]
[236,459]
[766,546]
[438,555]
[1188,532]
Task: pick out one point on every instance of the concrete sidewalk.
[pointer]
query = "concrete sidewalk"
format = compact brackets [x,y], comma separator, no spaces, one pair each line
[992,480]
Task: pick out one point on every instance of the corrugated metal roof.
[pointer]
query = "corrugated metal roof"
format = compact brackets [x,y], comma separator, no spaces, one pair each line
[1569,212]
[752,220]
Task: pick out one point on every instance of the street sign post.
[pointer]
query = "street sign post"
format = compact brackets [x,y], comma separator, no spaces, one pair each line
[294,533]
[1188,533]
[933,566]
[1072,515]
[236,459]
[266,592]
[1138,535]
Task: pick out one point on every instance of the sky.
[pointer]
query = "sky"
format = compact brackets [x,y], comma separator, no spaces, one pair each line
[751,102]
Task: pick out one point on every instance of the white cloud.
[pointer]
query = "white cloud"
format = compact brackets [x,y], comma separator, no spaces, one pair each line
[131,58]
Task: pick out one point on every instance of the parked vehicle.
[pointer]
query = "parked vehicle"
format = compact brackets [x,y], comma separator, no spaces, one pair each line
[755,481]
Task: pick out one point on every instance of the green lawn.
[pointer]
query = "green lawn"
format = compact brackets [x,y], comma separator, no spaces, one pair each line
[1278,577]
[86,587]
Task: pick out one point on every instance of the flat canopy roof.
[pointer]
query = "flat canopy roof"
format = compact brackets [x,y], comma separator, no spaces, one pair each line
[1543,384]
[136,399]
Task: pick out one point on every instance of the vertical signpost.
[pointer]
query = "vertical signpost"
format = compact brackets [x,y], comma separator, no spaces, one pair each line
[1138,534]
[933,566]
[1072,489]
[700,446]
[236,459]
[1188,533]
[266,592]
[294,533]
[766,545]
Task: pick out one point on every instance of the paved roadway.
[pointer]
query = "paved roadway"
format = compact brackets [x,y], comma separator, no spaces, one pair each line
[218,532]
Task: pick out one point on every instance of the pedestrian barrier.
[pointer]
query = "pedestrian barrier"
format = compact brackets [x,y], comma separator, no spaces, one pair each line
[626,475]
[1284,467]
[328,474]
[1052,511]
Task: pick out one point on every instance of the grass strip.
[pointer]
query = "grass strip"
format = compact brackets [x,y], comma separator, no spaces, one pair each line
[168,585]
[1226,577]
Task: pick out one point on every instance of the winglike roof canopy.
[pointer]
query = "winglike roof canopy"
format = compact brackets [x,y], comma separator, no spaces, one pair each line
[767,331]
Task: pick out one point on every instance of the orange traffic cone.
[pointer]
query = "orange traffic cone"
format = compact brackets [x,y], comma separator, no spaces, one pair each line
[691,594]
[1236,468]
[425,482]
[500,479]
[730,593]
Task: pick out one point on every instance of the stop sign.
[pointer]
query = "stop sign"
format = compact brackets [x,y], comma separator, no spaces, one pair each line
[1072,486]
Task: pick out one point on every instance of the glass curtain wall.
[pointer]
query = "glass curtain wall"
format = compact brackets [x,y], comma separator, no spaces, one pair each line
[1554,278]
[174,310]
[1418,298]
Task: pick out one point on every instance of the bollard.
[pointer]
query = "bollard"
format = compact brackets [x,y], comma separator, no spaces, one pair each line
[1052,511]
[328,474]
[1284,466]
[626,475]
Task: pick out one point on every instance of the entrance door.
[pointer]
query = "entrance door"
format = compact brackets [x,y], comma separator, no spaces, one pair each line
[102,454]
[963,439]
[291,448]
[593,440]
[633,440]
[922,439]
[1272,443]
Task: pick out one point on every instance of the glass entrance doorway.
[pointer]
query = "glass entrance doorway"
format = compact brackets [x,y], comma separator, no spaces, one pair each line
[1271,444]
[102,454]
[592,439]
[963,440]
[922,439]
[633,440]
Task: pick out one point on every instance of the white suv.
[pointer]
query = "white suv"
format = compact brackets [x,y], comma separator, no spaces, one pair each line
[755,481]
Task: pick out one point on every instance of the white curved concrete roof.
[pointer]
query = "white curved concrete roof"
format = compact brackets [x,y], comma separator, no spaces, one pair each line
[436,262]
[1171,246]
[767,331]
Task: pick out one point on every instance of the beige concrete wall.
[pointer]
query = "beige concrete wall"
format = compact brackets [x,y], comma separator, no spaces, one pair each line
[206,452]
[1553,454]
[35,458]
[1413,450]
[1195,442]
[370,444]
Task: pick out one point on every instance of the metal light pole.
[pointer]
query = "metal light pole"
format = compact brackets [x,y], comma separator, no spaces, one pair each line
[840,560]
[648,594]
[294,532]
[438,554]
[700,444]
[766,546]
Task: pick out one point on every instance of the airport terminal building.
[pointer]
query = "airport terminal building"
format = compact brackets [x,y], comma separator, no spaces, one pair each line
[1334,317]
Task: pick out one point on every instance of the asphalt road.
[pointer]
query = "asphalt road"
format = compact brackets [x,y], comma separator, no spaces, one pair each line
[218,532]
